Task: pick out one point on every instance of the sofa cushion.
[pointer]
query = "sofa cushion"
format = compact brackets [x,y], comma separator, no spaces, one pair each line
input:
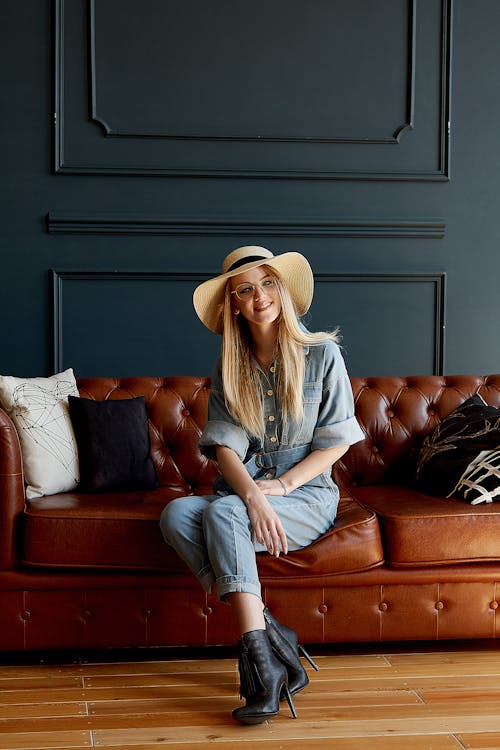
[113,444]
[419,529]
[76,530]
[81,531]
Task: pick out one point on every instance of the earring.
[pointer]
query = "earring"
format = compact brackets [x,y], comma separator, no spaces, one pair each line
[236,312]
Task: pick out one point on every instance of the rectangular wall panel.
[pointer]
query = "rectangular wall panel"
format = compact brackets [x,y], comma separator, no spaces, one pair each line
[143,323]
[273,88]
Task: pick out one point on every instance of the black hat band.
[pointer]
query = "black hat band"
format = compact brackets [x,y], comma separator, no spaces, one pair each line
[243,261]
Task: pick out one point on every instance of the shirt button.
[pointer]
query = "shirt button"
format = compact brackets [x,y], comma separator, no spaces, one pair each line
[272,369]
[269,475]
[271,418]
[270,392]
[274,439]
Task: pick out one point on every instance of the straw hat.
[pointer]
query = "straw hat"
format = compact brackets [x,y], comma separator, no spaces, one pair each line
[293,268]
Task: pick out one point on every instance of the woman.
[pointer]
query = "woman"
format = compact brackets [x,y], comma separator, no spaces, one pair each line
[280,414]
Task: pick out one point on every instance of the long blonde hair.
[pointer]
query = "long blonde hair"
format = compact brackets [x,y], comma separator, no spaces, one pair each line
[241,382]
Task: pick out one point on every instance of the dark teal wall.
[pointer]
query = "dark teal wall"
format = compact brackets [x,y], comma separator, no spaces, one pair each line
[188,128]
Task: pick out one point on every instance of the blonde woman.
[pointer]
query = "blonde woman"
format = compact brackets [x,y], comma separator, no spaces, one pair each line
[280,414]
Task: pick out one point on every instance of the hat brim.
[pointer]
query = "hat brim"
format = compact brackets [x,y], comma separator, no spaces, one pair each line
[292,267]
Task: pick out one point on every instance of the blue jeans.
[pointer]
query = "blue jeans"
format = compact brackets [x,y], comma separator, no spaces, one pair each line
[213,534]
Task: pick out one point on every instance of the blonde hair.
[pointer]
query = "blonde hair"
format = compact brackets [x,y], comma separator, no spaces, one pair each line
[241,382]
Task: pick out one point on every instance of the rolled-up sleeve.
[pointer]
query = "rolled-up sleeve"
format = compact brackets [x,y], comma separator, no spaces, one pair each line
[336,424]
[221,428]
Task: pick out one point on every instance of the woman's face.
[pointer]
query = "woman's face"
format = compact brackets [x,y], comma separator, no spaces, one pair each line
[260,305]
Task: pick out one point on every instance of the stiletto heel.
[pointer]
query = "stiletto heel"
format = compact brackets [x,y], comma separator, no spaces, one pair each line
[309,658]
[285,644]
[285,693]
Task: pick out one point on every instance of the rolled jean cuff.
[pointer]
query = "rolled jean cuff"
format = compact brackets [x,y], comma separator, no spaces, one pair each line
[206,579]
[238,584]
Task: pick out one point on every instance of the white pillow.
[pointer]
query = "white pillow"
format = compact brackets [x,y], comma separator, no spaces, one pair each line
[39,409]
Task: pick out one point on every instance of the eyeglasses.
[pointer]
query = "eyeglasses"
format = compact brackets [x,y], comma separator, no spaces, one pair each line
[245,292]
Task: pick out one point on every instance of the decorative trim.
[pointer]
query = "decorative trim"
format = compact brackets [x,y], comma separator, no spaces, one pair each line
[63,166]
[58,62]
[59,276]
[112,132]
[65,223]
[438,279]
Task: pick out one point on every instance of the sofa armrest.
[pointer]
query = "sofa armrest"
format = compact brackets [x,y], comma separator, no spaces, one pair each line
[11,490]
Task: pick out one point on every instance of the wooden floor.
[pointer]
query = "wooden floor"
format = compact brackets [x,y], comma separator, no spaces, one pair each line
[437,697]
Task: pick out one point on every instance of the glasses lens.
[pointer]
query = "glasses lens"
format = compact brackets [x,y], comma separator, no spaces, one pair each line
[245,291]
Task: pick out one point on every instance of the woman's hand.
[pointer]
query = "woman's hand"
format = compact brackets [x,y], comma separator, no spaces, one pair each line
[267,526]
[265,522]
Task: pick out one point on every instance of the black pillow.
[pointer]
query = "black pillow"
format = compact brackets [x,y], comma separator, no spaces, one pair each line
[113,444]
[455,443]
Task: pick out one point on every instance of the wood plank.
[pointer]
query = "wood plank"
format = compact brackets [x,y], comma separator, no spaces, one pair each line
[460,695]
[480,741]
[45,740]
[45,670]
[428,742]
[32,710]
[454,657]
[39,681]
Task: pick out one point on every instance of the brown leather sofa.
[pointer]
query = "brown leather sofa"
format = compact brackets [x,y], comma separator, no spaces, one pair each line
[92,571]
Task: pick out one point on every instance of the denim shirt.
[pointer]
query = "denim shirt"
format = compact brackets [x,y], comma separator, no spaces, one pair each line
[328,419]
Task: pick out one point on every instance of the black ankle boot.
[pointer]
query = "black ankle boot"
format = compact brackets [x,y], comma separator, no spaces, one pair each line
[263,680]
[284,642]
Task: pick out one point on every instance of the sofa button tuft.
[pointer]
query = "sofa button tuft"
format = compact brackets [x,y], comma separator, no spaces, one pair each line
[207,611]
[323,609]
[186,412]
[494,605]
[439,605]
[26,615]
[383,606]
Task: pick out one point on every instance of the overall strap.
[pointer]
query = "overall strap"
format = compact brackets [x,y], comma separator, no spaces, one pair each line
[273,459]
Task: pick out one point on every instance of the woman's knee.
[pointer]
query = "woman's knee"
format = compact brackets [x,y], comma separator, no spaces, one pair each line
[176,514]
[224,512]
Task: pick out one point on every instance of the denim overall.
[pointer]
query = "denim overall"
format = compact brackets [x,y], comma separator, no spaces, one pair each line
[212,533]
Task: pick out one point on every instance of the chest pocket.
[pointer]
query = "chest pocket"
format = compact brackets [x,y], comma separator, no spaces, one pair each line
[312,394]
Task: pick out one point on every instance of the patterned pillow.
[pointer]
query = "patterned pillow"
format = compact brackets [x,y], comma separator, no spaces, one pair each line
[480,482]
[446,454]
[39,409]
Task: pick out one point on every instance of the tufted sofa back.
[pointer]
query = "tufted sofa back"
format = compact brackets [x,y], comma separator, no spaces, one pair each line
[177,411]
[395,414]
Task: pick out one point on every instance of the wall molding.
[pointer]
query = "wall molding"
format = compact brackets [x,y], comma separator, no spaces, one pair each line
[60,276]
[300,165]
[59,222]
[111,131]
[436,279]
